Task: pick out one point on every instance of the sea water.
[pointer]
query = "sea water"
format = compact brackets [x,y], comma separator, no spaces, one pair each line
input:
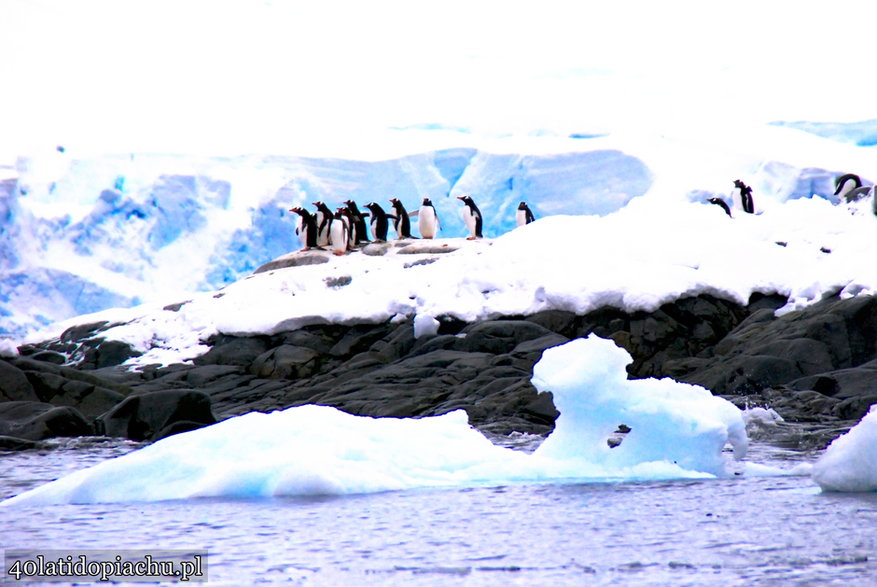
[741,530]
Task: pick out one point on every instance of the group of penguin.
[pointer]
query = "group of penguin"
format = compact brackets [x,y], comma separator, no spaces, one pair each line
[344,229]
[848,188]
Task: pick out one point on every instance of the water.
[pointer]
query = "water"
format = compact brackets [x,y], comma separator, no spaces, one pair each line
[738,531]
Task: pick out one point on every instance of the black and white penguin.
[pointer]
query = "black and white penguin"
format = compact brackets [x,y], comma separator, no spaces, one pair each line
[351,226]
[848,187]
[524,215]
[721,203]
[427,220]
[339,232]
[307,228]
[379,221]
[401,221]
[472,217]
[323,217]
[742,197]
[359,222]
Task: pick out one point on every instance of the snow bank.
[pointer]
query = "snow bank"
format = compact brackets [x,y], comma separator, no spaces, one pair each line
[850,462]
[677,431]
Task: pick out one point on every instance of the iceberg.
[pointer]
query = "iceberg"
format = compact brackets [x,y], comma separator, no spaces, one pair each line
[672,430]
[850,461]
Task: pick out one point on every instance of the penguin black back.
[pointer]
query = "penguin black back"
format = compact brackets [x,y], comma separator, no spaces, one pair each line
[401,221]
[472,217]
[746,201]
[379,221]
[308,229]
[359,221]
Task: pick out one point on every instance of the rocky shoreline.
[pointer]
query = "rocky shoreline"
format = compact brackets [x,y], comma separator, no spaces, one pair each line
[814,366]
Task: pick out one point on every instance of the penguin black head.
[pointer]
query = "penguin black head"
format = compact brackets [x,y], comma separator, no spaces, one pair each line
[739,184]
[427,202]
[840,181]
[523,206]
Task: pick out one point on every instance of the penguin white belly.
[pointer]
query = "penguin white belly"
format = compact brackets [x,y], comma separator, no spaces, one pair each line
[338,237]
[521,217]
[426,222]
[469,220]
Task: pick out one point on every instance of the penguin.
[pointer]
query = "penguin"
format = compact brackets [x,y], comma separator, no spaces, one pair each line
[338,233]
[401,221]
[427,220]
[323,217]
[379,221]
[307,229]
[849,188]
[720,202]
[359,222]
[472,217]
[351,226]
[743,197]
[524,215]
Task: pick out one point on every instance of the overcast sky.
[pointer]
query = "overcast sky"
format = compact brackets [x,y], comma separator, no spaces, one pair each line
[241,76]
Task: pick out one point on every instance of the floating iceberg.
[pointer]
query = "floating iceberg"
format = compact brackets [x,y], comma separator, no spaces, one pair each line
[668,430]
[850,462]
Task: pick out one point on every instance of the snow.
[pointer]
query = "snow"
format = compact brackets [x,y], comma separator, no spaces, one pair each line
[677,431]
[850,461]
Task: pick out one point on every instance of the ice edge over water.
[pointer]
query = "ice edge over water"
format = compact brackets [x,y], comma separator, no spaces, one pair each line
[677,431]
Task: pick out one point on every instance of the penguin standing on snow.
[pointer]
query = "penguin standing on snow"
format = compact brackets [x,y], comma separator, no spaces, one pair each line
[347,215]
[472,217]
[401,221]
[379,221]
[742,197]
[323,217]
[339,232]
[307,229]
[524,215]
[427,220]
[358,221]
[721,203]
[849,188]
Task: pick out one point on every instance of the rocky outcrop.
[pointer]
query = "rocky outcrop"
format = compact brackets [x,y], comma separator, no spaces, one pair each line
[815,365]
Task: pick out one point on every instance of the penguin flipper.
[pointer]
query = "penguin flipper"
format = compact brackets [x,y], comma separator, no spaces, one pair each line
[414,214]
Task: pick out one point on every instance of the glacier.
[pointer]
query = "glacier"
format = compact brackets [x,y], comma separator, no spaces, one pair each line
[80,235]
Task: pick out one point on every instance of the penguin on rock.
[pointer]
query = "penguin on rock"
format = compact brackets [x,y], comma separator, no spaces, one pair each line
[524,215]
[307,228]
[339,233]
[358,220]
[742,197]
[471,217]
[401,221]
[323,217]
[427,220]
[379,221]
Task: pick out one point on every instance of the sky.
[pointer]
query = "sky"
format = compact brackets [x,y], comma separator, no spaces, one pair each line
[276,76]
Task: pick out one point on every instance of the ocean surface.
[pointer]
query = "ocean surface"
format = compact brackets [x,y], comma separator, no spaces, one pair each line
[739,531]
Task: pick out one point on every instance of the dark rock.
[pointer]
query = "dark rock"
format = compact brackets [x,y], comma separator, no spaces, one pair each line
[537,345]
[14,384]
[38,421]
[558,321]
[11,443]
[83,331]
[298,259]
[49,357]
[114,352]
[854,408]
[234,350]
[501,336]
[286,362]
[143,416]
[207,374]
[177,428]
[358,339]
